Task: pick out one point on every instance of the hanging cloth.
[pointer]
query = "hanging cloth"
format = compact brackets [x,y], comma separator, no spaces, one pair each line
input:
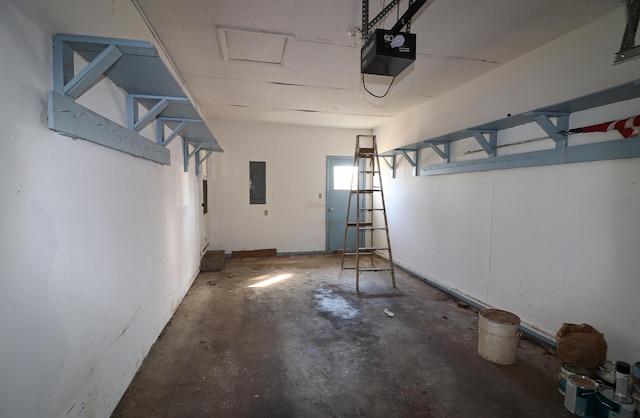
[627,127]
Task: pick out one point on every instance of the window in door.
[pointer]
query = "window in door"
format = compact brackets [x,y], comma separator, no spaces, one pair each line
[344,177]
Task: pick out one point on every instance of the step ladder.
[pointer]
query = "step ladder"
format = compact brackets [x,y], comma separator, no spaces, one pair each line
[370,223]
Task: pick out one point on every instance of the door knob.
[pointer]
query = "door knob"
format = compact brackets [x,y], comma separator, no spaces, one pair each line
[330,209]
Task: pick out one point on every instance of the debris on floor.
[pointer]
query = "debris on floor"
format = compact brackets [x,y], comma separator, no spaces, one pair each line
[389,313]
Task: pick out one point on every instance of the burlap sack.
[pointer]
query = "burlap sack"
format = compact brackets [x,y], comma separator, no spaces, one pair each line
[582,344]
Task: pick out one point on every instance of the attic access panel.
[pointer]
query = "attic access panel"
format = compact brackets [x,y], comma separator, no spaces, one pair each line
[238,44]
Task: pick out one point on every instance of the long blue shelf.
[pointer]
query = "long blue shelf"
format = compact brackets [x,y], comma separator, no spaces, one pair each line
[486,135]
[135,67]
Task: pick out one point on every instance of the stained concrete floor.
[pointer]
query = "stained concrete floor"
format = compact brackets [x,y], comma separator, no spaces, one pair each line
[308,345]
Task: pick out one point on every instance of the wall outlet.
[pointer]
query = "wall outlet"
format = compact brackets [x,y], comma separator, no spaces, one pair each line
[319,195]
[266,212]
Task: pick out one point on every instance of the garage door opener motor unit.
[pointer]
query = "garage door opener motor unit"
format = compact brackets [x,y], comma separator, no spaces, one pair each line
[387,54]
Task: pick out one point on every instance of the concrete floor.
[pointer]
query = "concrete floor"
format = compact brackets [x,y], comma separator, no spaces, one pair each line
[310,346]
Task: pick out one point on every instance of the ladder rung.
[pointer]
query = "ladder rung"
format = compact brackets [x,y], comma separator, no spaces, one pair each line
[372,228]
[361,224]
[374,269]
[373,248]
[361,253]
[365,191]
[371,209]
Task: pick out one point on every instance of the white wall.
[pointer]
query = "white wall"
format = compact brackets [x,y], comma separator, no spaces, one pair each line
[97,247]
[295,159]
[552,244]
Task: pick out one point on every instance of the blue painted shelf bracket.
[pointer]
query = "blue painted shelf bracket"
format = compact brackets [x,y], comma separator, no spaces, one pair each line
[187,153]
[207,145]
[391,165]
[443,153]
[413,162]
[161,103]
[489,145]
[200,160]
[90,74]
[160,134]
[182,123]
[102,54]
[63,68]
[554,131]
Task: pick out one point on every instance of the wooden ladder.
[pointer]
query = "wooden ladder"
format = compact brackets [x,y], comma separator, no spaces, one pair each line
[370,223]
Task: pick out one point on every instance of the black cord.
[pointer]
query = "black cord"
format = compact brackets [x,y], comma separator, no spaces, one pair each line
[375,95]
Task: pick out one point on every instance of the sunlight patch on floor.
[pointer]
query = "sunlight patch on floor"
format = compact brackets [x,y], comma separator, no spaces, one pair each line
[271,280]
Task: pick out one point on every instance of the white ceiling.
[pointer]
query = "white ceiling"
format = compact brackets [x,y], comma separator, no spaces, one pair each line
[318,81]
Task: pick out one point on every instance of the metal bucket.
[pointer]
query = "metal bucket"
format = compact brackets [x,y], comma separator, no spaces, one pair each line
[606,372]
[498,334]
[580,396]
[567,369]
[611,406]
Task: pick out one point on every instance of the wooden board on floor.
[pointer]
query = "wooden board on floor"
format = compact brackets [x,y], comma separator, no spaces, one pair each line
[270,252]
